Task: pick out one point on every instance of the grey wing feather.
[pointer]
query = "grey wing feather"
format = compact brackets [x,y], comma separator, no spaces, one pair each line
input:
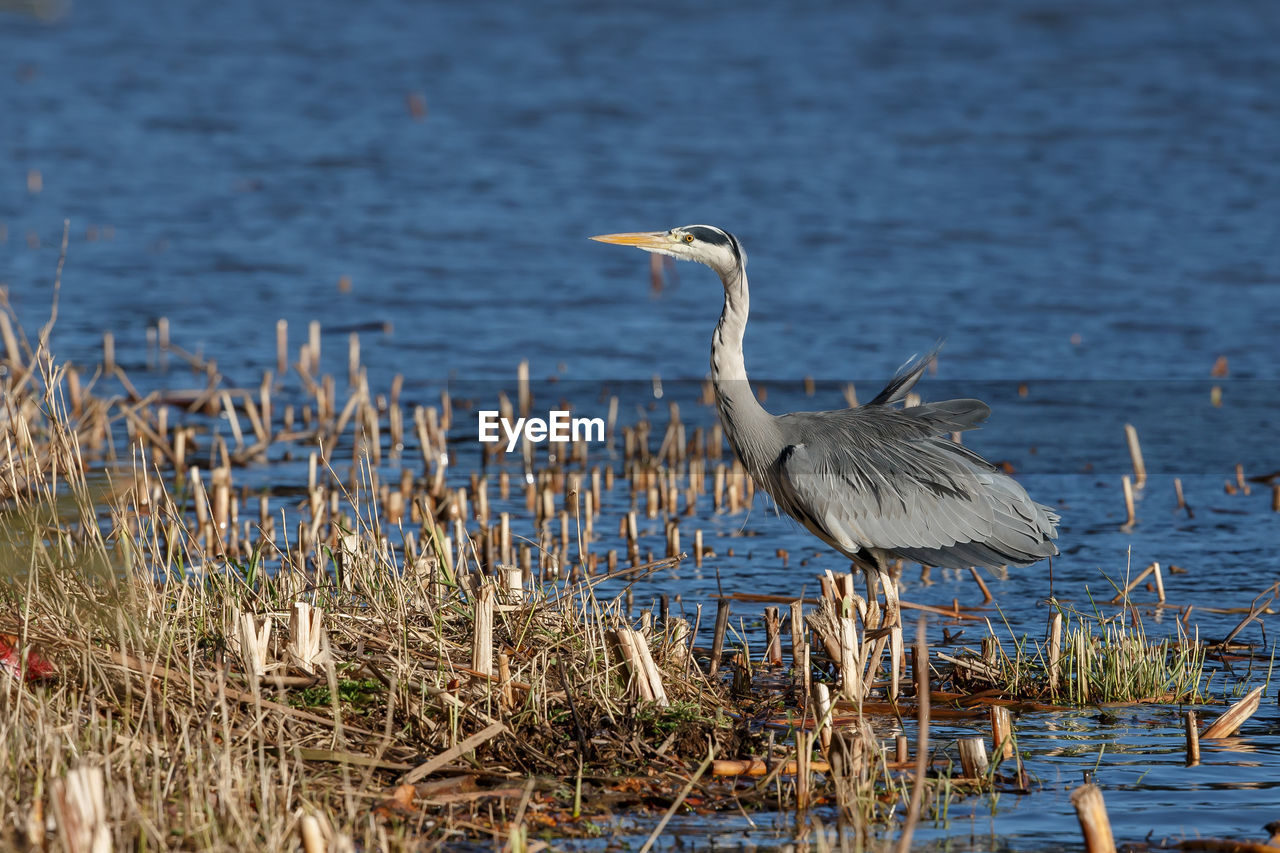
[905,378]
[877,477]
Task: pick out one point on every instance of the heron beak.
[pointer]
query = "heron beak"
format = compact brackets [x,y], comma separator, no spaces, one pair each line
[640,239]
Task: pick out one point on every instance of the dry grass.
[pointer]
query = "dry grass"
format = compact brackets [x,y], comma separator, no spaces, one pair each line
[138,582]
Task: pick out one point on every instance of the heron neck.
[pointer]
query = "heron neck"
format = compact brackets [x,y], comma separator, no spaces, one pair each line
[746,424]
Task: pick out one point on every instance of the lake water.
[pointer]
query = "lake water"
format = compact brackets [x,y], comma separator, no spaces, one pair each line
[1081,197]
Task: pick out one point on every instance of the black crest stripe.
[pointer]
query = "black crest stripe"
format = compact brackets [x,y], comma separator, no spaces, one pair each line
[714,236]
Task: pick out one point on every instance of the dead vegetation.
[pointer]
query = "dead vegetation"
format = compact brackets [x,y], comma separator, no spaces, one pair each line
[367,663]
[216,683]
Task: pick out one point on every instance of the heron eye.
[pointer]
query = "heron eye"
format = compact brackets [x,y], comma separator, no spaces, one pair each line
[688,238]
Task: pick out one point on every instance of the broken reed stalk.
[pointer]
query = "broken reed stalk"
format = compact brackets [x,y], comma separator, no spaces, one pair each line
[773,637]
[636,677]
[313,348]
[973,757]
[679,643]
[922,735]
[797,631]
[506,693]
[80,810]
[1055,651]
[313,840]
[12,353]
[804,755]
[306,636]
[806,668]
[1091,811]
[1001,733]
[524,396]
[1193,738]
[512,578]
[108,352]
[254,642]
[897,662]
[1130,517]
[1235,716]
[282,347]
[644,673]
[717,639]
[850,659]
[822,714]
[1135,455]
[650,669]
[482,634]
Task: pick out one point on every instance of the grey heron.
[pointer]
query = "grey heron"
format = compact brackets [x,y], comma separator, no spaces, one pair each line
[876,482]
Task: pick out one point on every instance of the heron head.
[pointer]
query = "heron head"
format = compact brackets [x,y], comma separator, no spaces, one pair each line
[705,244]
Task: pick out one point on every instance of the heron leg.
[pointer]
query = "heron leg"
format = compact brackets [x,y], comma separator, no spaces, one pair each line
[892,600]
[883,627]
[890,623]
[872,643]
[893,618]
[872,573]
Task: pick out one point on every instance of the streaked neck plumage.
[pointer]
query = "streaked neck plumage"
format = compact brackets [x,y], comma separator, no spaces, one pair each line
[746,424]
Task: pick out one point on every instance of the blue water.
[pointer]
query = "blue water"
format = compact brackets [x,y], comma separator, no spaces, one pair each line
[1084,197]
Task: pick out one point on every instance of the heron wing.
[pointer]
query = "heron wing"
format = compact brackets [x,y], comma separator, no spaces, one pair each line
[883,478]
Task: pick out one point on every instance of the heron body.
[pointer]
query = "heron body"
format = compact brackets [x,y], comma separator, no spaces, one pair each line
[876,482]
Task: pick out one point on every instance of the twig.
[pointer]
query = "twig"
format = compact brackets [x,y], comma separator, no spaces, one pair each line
[430,766]
[684,792]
